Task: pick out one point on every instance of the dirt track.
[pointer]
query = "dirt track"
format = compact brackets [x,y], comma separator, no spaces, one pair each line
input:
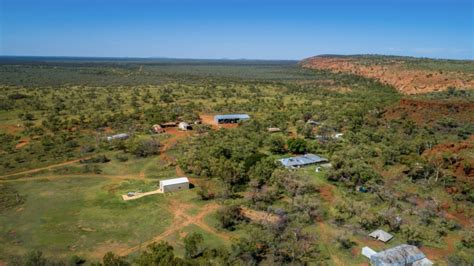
[180,220]
[45,168]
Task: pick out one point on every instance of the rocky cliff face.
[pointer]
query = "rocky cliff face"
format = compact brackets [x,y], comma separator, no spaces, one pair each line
[395,72]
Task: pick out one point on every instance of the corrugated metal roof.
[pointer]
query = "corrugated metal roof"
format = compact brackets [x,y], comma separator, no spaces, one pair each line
[398,256]
[302,160]
[381,235]
[174,181]
[232,116]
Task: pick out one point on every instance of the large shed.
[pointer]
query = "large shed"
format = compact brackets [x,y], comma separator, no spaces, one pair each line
[400,255]
[303,160]
[175,184]
[230,118]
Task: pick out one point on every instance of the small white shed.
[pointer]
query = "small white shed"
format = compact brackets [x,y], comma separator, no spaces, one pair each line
[175,184]
[184,126]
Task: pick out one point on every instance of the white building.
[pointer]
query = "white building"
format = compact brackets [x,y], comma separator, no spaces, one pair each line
[175,184]
[184,126]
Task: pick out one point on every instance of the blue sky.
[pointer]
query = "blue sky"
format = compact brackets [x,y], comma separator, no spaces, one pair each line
[258,29]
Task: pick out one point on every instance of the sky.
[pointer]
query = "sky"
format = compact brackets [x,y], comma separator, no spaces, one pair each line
[236,29]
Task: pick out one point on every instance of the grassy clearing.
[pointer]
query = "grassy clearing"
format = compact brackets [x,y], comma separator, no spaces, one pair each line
[79,216]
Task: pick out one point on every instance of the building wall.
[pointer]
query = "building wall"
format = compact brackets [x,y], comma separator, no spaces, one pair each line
[175,187]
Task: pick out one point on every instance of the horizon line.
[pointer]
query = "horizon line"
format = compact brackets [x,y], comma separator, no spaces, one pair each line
[225,58]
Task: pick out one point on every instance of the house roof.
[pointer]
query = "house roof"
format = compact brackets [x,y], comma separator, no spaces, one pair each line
[174,181]
[381,235]
[232,116]
[302,160]
[398,256]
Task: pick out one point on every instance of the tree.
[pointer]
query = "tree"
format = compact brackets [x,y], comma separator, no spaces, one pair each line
[159,254]
[277,144]
[230,216]
[35,258]
[192,245]
[297,145]
[110,259]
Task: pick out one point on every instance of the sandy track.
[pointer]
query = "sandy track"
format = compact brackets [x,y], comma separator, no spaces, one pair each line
[54,177]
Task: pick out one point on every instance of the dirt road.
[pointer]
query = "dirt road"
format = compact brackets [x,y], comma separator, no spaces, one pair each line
[180,221]
[45,168]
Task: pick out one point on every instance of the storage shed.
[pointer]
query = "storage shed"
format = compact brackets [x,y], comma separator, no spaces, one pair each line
[230,118]
[118,136]
[303,160]
[381,235]
[175,184]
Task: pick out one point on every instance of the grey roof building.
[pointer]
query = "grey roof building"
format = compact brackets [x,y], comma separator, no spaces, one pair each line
[303,160]
[397,256]
[381,235]
[230,118]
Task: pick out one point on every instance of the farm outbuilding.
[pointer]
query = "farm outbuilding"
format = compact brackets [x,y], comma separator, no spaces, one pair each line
[303,160]
[175,184]
[397,256]
[381,235]
[118,136]
[230,118]
[184,126]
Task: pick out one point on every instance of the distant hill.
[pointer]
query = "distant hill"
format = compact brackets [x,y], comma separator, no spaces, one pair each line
[409,75]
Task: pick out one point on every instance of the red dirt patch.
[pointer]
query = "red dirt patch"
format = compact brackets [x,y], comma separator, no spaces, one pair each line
[326,192]
[437,254]
[260,216]
[22,143]
[438,152]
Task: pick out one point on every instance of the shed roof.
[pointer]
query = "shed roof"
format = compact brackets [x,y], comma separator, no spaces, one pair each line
[398,256]
[381,235]
[174,181]
[302,160]
[232,116]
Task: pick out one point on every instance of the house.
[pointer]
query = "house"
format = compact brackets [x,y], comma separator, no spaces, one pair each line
[381,235]
[273,129]
[157,129]
[184,126]
[303,160]
[175,184]
[397,256]
[117,137]
[230,118]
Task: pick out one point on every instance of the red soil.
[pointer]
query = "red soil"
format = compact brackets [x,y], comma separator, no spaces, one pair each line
[326,193]
[430,111]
